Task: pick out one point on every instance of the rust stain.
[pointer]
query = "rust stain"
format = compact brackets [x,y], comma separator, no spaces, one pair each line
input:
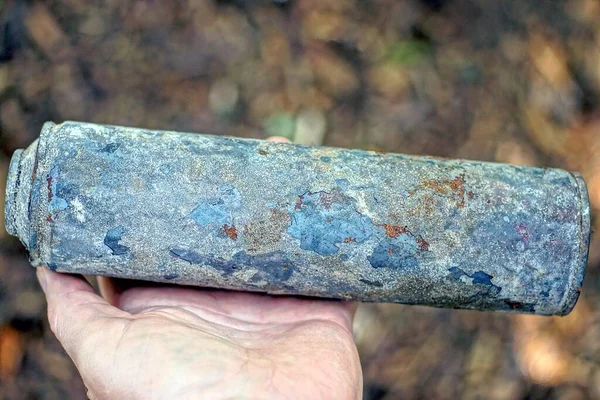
[231,232]
[279,215]
[438,186]
[422,243]
[427,205]
[454,188]
[394,230]
[390,251]
[349,240]
[265,231]
[262,152]
[397,230]
[458,188]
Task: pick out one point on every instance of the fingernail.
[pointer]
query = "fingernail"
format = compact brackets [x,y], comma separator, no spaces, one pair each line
[41,275]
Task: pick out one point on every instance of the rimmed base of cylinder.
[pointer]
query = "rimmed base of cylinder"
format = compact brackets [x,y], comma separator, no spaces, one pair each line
[18,193]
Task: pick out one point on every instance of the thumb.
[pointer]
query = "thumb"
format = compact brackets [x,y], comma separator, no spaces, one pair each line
[78,316]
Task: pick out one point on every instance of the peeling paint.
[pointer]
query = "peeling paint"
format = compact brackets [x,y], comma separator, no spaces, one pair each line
[112,239]
[212,211]
[323,220]
[400,255]
[110,148]
[276,265]
[477,278]
[371,283]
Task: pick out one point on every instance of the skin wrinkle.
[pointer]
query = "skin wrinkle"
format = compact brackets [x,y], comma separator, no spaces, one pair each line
[224,312]
[249,324]
[84,360]
[231,321]
[235,339]
[126,327]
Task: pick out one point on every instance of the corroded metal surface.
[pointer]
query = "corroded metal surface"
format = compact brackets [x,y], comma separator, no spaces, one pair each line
[290,219]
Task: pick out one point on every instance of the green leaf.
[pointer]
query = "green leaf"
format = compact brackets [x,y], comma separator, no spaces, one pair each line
[408,52]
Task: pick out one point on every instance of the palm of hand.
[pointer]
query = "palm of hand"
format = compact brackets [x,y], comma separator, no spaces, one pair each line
[175,342]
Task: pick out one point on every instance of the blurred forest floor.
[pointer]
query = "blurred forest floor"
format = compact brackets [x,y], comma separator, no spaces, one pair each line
[512,81]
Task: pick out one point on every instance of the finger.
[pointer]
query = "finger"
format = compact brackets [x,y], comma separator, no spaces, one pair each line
[108,290]
[249,307]
[115,291]
[75,312]
[111,289]
[279,139]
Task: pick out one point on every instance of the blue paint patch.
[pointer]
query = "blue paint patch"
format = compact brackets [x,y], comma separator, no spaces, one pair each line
[401,256]
[562,181]
[342,183]
[55,203]
[344,257]
[212,211]
[110,148]
[322,220]
[478,278]
[66,191]
[482,278]
[112,238]
[230,195]
[325,159]
[170,276]
[218,210]
[399,248]
[371,283]
[274,265]
[188,255]
[256,278]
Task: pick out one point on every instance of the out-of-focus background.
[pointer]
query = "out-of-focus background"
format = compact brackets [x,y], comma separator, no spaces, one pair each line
[512,81]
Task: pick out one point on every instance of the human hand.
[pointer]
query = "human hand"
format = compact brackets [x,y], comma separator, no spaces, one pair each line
[152,341]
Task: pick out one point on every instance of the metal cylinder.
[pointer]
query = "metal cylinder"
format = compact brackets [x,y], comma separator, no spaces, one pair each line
[289,219]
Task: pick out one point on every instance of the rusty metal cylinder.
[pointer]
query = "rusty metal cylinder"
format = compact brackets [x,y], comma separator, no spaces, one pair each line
[289,219]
